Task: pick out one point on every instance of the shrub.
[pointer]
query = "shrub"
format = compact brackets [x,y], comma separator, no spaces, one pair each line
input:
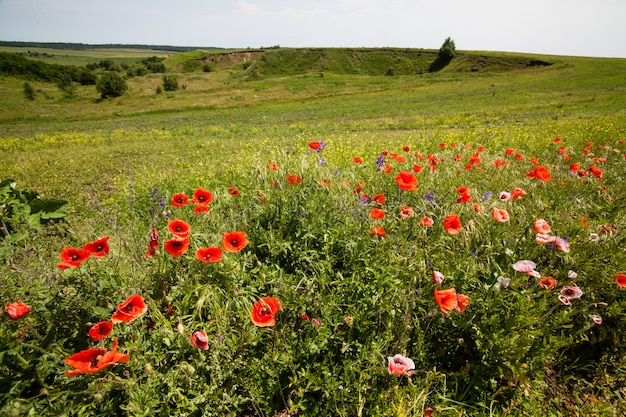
[447,50]
[170,83]
[29,91]
[111,84]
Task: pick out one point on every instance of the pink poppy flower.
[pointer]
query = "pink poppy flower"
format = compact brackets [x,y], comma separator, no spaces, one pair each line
[438,277]
[406,212]
[541,226]
[545,239]
[426,221]
[500,215]
[571,292]
[561,244]
[504,195]
[400,365]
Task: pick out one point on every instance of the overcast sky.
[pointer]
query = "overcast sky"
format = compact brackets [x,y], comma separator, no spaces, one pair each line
[562,27]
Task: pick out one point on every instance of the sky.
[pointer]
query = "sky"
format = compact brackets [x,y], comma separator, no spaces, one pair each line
[593,28]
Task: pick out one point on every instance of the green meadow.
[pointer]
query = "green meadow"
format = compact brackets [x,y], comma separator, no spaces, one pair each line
[350,299]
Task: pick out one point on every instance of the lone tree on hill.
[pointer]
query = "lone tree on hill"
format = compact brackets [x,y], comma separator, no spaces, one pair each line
[447,50]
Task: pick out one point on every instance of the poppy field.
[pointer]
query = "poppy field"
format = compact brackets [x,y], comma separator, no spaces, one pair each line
[308,259]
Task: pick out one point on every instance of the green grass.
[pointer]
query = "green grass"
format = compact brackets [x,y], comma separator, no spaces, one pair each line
[515,351]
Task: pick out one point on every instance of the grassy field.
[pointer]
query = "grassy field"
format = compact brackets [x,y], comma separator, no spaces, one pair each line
[349,299]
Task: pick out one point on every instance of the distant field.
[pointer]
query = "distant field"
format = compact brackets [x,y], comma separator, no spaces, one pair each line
[84,57]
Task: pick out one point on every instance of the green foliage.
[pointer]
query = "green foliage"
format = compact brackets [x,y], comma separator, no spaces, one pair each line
[447,50]
[29,91]
[17,66]
[110,84]
[170,83]
[24,212]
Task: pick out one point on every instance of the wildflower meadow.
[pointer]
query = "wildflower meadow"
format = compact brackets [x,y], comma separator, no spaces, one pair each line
[464,269]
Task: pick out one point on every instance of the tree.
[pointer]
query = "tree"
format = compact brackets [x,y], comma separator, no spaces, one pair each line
[170,83]
[111,84]
[447,50]
[65,84]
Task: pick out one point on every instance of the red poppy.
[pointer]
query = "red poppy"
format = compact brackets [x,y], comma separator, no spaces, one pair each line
[202,197]
[547,282]
[180,200]
[452,224]
[378,231]
[378,199]
[178,228]
[72,257]
[100,330]
[208,255]
[377,213]
[131,309]
[406,181]
[406,212]
[541,226]
[264,311]
[357,160]
[234,241]
[176,247]
[91,361]
[462,302]
[464,196]
[517,193]
[500,215]
[447,300]
[417,168]
[16,310]
[595,171]
[198,209]
[293,178]
[426,221]
[200,340]
[153,244]
[273,166]
[620,279]
[233,191]
[98,248]
[540,172]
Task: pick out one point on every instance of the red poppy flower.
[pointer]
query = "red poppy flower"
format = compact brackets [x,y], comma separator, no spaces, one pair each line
[233,191]
[293,178]
[209,255]
[98,248]
[198,209]
[180,200]
[447,300]
[400,365]
[452,224]
[379,199]
[462,302]
[91,361]
[620,279]
[509,151]
[273,166]
[378,231]
[595,171]
[464,196]
[406,212]
[357,160]
[314,145]
[72,257]
[417,168]
[131,309]
[426,221]
[16,310]
[517,193]
[153,244]
[500,215]
[406,149]
[547,282]
[542,226]
[100,330]
[200,340]
[202,197]
[179,228]
[540,172]
[176,247]
[406,181]
[234,241]
[264,311]
[377,213]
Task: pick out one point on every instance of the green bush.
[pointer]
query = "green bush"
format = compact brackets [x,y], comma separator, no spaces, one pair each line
[110,84]
[170,83]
